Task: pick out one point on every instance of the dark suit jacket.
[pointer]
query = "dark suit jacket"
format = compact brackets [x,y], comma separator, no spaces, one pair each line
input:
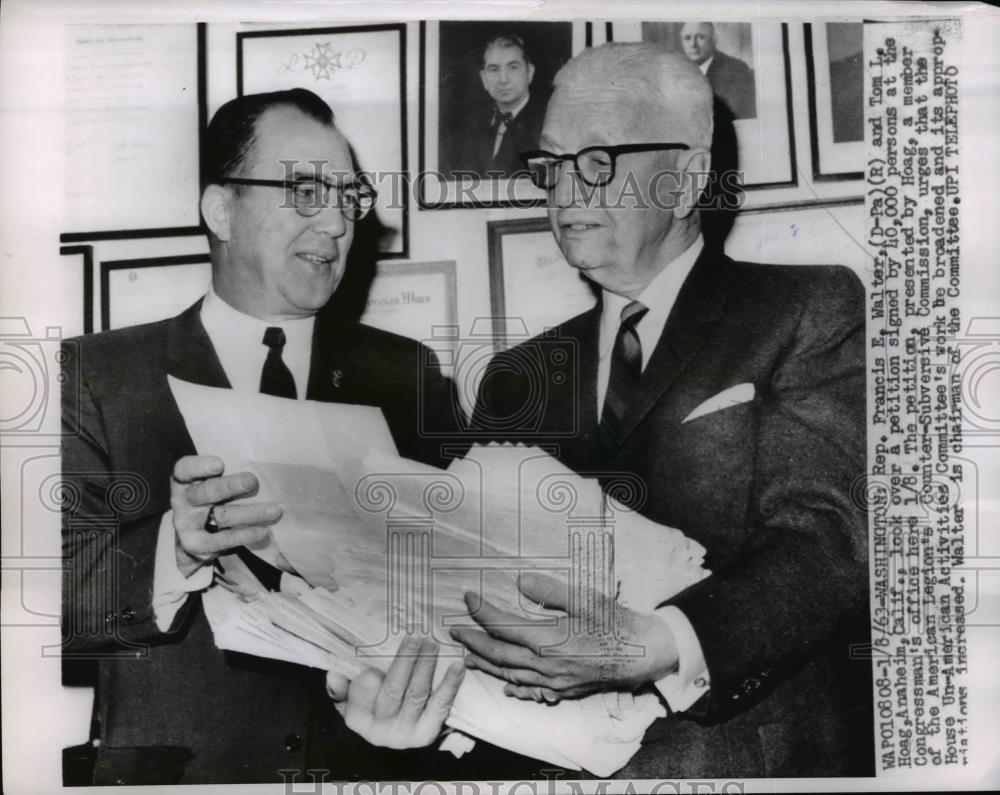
[732,82]
[474,143]
[765,486]
[171,707]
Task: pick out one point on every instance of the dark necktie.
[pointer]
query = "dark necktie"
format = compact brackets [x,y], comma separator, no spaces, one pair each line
[275,378]
[626,370]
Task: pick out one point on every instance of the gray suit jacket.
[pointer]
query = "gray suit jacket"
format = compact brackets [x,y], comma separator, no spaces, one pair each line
[765,486]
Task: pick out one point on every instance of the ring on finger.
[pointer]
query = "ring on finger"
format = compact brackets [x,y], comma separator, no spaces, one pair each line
[211,523]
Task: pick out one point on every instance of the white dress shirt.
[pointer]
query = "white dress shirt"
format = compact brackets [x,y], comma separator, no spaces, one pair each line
[705,64]
[691,680]
[238,340]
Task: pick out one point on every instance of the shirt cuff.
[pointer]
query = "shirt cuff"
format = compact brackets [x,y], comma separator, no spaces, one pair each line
[457,743]
[691,681]
[170,587]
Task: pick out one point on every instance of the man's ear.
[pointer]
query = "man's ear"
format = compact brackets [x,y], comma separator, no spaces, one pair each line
[482,78]
[215,210]
[693,167]
[531,73]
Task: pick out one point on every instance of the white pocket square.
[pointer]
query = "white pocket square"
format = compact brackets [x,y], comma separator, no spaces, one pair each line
[741,393]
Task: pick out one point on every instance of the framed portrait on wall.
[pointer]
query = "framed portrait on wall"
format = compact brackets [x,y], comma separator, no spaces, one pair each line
[135,117]
[484,89]
[135,291]
[361,73]
[748,67]
[835,76]
[532,287]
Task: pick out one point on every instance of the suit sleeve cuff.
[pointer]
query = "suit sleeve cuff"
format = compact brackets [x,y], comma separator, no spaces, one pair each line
[690,682]
[170,587]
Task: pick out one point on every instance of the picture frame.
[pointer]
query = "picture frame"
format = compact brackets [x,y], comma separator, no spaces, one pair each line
[456,123]
[86,269]
[122,168]
[418,300]
[532,287]
[349,67]
[835,81]
[148,289]
[753,87]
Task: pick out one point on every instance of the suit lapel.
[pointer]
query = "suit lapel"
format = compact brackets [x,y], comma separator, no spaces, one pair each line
[691,321]
[587,333]
[333,369]
[190,354]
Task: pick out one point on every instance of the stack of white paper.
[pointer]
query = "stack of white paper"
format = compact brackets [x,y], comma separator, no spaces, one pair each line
[386,546]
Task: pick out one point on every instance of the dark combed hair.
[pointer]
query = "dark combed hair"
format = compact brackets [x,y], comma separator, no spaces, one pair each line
[504,40]
[231,132]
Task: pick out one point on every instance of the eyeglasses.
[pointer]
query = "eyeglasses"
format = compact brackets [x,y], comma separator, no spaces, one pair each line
[595,165]
[310,196]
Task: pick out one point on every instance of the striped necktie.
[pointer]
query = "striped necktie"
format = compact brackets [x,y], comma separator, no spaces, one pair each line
[626,370]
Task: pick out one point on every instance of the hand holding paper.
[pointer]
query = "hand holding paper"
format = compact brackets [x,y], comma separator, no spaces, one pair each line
[198,484]
[387,546]
[599,645]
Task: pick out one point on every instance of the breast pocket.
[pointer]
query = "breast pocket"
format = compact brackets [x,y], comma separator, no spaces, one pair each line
[705,469]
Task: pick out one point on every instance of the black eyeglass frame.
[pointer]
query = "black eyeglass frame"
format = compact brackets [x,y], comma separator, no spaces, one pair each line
[612,151]
[357,211]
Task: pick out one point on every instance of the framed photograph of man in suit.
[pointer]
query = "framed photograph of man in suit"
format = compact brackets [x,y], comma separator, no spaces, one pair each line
[747,65]
[835,75]
[485,86]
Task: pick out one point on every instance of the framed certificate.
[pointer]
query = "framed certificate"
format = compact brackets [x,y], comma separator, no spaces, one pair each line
[361,73]
[835,77]
[416,300]
[135,120]
[532,287]
[135,291]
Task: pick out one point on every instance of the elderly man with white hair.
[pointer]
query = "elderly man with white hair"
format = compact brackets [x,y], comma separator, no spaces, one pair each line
[735,394]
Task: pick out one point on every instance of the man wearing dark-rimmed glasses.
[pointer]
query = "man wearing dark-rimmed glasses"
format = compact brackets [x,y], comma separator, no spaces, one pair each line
[280,202]
[732,396]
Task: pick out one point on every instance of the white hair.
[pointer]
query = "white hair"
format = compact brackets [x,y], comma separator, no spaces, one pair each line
[664,87]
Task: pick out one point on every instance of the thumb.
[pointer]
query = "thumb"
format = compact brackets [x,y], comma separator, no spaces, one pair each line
[547,591]
[337,686]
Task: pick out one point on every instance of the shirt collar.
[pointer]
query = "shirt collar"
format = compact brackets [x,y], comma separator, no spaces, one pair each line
[658,297]
[238,340]
[705,64]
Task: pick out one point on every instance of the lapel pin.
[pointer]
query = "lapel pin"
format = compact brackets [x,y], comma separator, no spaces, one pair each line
[337,377]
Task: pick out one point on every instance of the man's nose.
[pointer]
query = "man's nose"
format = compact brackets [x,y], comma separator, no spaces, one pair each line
[566,192]
[330,221]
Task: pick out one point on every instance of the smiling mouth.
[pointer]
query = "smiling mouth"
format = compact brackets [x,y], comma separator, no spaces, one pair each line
[316,259]
[578,227]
